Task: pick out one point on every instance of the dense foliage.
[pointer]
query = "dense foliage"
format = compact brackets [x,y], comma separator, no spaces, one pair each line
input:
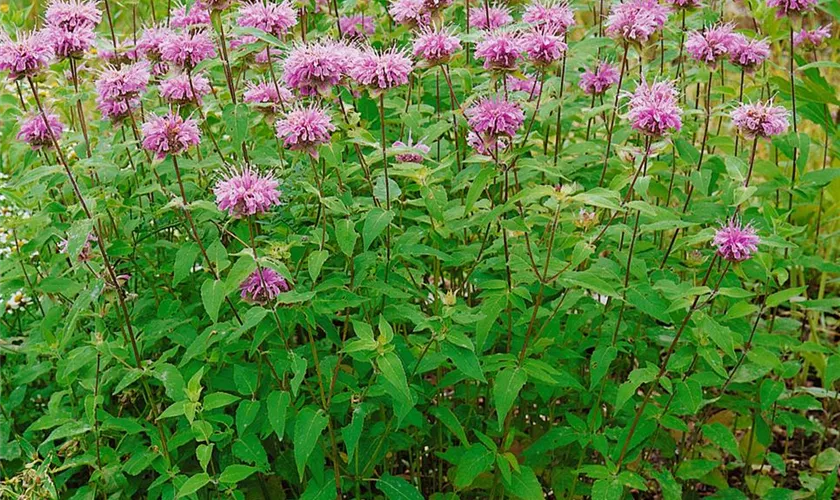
[419,249]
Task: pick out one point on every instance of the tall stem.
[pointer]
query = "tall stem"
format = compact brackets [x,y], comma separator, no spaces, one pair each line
[791,70]
[387,185]
[611,124]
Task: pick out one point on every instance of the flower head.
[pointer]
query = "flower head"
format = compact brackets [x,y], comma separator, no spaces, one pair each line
[70,43]
[274,18]
[491,118]
[196,16]
[791,7]
[169,134]
[684,4]
[314,68]
[436,46]
[543,46]
[712,44]
[124,82]
[484,146]
[418,151]
[654,109]
[735,242]
[813,38]
[117,109]
[246,192]
[598,80]
[556,16]
[748,53]
[381,70]
[150,42]
[636,20]
[267,96]
[187,49]
[490,18]
[523,83]
[500,50]
[409,12]
[72,15]
[305,129]
[35,132]
[357,26]
[760,119]
[27,55]
[263,285]
[179,90]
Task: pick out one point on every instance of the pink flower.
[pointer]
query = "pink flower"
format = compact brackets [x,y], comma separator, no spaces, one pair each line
[736,243]
[117,109]
[357,26]
[710,45]
[523,83]
[34,131]
[196,16]
[636,20]
[599,80]
[274,18]
[381,70]
[418,151]
[305,129]
[409,12]
[436,46]
[791,7]
[246,192]
[499,50]
[487,148]
[72,14]
[684,4]
[813,38]
[267,96]
[314,68]
[177,89]
[151,40]
[263,285]
[70,43]
[187,49]
[654,109]
[491,119]
[760,119]
[27,55]
[748,53]
[490,18]
[169,134]
[543,46]
[556,16]
[124,82]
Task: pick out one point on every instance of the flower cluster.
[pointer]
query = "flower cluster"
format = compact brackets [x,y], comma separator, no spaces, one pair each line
[555,16]
[635,21]
[246,192]
[499,50]
[791,7]
[169,134]
[25,56]
[813,38]
[760,119]
[263,286]
[410,12]
[39,133]
[418,150]
[543,46]
[598,80]
[70,26]
[187,49]
[381,70]
[710,45]
[490,17]
[314,68]
[305,129]
[273,18]
[267,96]
[736,242]
[493,118]
[194,17]
[748,53]
[436,46]
[654,109]
[184,89]
[357,26]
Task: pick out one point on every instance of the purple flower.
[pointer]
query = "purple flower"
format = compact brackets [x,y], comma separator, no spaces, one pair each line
[263,285]
[124,82]
[491,119]
[499,50]
[436,46]
[305,129]
[523,83]
[736,243]
[409,12]
[710,45]
[654,110]
[177,89]
[543,46]
[813,38]
[70,43]
[551,14]
[381,70]
[487,148]
[267,96]
[636,20]
[246,192]
[70,15]
[314,68]
[169,134]
[27,55]
[760,119]
[490,18]
[791,7]
[419,150]
[34,131]
[684,4]
[151,40]
[196,16]
[748,53]
[274,18]
[599,80]
[116,109]
[187,49]
[357,26]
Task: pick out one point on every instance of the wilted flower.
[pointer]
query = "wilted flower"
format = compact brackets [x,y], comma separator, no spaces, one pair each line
[654,108]
[305,129]
[409,12]
[710,45]
[813,38]
[34,131]
[760,119]
[169,134]
[735,242]
[187,49]
[381,70]
[274,18]
[246,192]
[178,90]
[499,50]
[636,20]
[27,55]
[415,156]
[748,53]
[550,14]
[599,80]
[791,7]
[436,46]
[357,26]
[263,285]
[196,16]
[543,46]
[492,118]
[314,68]
[586,219]
[490,18]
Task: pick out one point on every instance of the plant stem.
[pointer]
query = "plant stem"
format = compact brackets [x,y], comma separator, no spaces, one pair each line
[387,186]
[611,124]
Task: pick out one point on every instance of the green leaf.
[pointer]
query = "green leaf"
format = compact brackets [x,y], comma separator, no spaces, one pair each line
[184,261]
[345,233]
[353,432]
[451,422]
[506,389]
[315,262]
[637,377]
[477,187]
[245,378]
[308,428]
[193,484]
[599,363]
[607,489]
[236,473]
[696,469]
[721,436]
[783,296]
[218,400]
[474,461]
[212,296]
[393,371]
[375,222]
[524,484]
[246,413]
[278,404]
[397,488]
